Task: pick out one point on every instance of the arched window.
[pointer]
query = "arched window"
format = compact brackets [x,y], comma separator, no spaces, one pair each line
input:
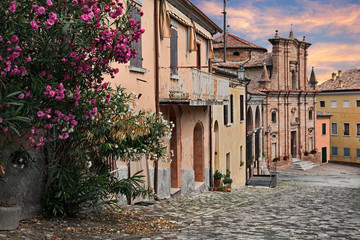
[236,54]
[310,114]
[273,116]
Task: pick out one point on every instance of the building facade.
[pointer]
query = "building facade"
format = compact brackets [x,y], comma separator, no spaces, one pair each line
[340,96]
[288,110]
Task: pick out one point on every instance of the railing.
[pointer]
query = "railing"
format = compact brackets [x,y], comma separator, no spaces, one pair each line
[193,85]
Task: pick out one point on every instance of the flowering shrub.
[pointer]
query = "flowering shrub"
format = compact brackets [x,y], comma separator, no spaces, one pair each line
[53,58]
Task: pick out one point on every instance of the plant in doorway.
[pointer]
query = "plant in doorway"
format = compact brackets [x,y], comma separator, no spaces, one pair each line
[276,159]
[313,151]
[285,158]
[217,178]
[227,180]
[306,153]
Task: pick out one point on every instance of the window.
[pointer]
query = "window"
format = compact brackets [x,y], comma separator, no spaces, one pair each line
[241,107]
[241,157]
[324,129]
[334,129]
[357,103]
[358,153]
[346,152]
[322,104]
[228,161]
[334,151]
[346,129]
[174,52]
[333,104]
[273,116]
[310,114]
[358,129]
[226,114]
[346,104]
[136,62]
[236,54]
[231,108]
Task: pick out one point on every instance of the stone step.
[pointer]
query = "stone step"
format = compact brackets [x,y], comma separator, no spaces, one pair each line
[199,186]
[175,192]
[302,165]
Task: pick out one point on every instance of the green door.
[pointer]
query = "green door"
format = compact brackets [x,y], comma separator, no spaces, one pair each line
[323,151]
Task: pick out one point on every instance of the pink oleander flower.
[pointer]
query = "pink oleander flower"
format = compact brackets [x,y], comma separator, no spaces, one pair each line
[42,73]
[85,17]
[34,25]
[14,38]
[40,11]
[13,6]
[73,123]
[5,129]
[93,101]
[28,59]
[40,114]
[21,96]
[49,3]
[1,120]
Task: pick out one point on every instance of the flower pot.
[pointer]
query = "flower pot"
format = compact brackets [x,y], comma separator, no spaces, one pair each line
[10,217]
[228,189]
[217,182]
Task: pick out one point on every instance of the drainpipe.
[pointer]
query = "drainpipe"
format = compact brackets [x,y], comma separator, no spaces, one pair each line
[157,104]
[210,142]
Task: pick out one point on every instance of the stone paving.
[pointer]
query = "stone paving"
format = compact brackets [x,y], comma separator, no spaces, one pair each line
[289,211]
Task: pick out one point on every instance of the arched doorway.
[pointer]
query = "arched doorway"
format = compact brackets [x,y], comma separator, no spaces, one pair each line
[174,166]
[216,138]
[198,153]
[249,147]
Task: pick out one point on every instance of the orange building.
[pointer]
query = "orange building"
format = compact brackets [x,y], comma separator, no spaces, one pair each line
[323,135]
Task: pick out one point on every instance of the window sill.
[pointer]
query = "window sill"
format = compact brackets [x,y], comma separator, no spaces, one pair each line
[346,135]
[137,69]
[175,77]
[229,124]
[335,135]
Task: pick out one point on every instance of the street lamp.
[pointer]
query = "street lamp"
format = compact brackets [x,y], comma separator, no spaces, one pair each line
[241,73]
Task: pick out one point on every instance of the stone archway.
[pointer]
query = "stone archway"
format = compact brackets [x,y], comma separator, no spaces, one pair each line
[198,146]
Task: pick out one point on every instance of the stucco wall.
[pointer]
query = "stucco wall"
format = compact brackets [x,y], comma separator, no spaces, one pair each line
[323,140]
[340,116]
[229,139]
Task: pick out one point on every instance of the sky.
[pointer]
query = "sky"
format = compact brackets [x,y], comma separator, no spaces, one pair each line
[331,26]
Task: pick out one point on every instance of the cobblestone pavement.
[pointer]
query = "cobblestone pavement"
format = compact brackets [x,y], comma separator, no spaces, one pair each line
[289,211]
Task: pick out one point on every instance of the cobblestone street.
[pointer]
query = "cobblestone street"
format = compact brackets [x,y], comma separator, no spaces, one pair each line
[289,211]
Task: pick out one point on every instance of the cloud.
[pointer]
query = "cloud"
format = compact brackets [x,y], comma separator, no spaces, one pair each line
[257,20]
[330,57]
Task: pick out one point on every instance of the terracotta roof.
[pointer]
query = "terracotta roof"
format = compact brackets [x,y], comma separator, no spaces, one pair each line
[228,64]
[259,60]
[233,41]
[349,79]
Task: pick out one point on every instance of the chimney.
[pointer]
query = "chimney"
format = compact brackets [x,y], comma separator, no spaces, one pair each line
[340,83]
[333,76]
[340,73]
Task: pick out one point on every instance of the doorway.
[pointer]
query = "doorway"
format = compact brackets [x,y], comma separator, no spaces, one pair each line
[198,153]
[174,166]
[293,144]
[324,154]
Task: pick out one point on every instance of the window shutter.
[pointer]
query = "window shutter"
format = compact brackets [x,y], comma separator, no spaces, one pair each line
[231,108]
[136,62]
[241,107]
[174,51]
[226,114]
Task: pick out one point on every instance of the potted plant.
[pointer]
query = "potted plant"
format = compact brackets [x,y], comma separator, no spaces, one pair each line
[285,158]
[276,159]
[313,151]
[226,179]
[306,153]
[241,164]
[228,187]
[217,178]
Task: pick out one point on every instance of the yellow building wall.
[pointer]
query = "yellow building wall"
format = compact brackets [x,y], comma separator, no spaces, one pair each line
[230,139]
[341,115]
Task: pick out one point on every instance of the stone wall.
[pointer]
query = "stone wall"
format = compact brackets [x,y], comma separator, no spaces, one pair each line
[23,186]
[315,158]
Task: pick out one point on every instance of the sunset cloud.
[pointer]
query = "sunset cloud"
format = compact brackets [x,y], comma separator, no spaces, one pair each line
[333,27]
[256,22]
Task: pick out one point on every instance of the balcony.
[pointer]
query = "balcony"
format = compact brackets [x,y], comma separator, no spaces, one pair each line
[189,85]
